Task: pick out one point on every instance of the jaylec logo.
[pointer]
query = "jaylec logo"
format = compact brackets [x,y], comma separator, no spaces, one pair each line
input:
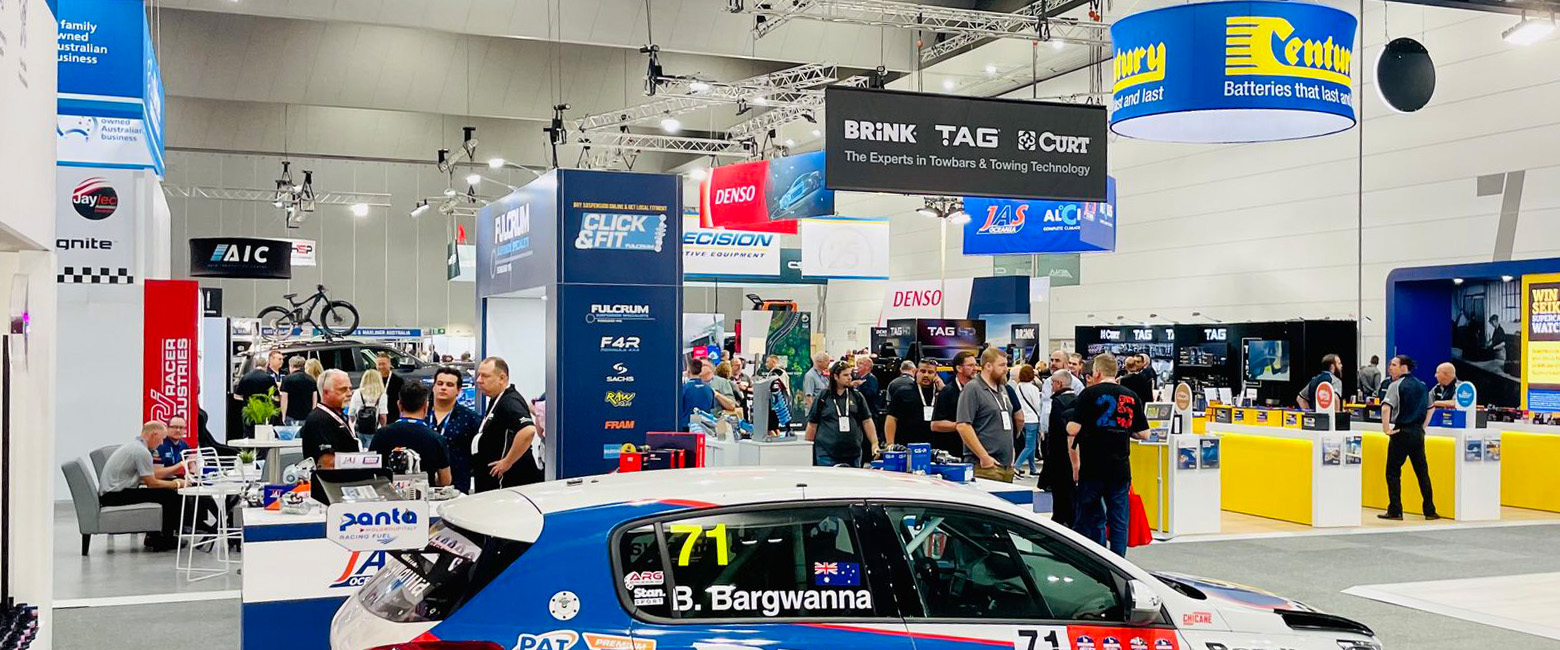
[1262,45]
[95,199]
[624,232]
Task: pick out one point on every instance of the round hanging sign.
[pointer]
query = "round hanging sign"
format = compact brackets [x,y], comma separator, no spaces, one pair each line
[1224,72]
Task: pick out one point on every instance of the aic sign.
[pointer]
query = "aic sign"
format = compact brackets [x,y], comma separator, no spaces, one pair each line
[1233,72]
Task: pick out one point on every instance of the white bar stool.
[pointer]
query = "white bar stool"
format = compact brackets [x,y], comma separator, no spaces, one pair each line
[209,476]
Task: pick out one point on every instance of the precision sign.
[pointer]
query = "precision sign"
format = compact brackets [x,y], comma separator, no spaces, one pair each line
[913,143]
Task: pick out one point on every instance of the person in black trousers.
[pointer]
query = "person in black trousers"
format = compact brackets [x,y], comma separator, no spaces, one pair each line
[1056,473]
[1403,420]
[503,452]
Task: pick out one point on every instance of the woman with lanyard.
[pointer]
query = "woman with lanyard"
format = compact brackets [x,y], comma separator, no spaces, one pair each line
[832,425]
[455,423]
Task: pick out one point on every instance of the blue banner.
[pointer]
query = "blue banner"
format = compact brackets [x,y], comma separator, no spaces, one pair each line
[1233,72]
[110,86]
[620,228]
[517,239]
[1020,227]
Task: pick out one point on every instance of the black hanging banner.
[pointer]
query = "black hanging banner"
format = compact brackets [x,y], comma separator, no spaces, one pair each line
[914,143]
[241,257]
[211,302]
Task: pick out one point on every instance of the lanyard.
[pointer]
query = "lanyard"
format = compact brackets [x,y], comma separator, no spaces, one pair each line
[999,394]
[837,399]
[921,393]
[333,414]
[410,420]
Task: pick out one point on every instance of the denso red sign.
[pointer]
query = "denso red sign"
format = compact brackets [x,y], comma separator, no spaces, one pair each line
[927,299]
[930,298]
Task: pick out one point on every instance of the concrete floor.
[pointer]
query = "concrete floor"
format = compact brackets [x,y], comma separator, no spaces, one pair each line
[106,599]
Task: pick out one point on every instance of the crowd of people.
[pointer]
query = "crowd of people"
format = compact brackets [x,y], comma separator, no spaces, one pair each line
[386,412]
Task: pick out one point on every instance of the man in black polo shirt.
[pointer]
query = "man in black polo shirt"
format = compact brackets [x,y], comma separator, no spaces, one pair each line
[1403,420]
[412,432]
[298,393]
[393,385]
[1332,372]
[1105,417]
[945,412]
[910,406]
[1444,394]
[324,432]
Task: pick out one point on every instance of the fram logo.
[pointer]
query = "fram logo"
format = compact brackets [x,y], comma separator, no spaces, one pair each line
[360,567]
[1266,46]
[620,425]
[94,199]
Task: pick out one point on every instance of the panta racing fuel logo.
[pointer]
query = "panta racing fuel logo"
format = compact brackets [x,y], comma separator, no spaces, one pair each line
[360,567]
[620,399]
[95,199]
[1138,66]
[1262,45]
[623,232]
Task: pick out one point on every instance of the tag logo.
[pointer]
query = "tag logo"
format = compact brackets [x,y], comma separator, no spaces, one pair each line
[961,136]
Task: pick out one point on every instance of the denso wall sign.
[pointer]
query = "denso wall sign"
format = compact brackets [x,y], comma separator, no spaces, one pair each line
[926,299]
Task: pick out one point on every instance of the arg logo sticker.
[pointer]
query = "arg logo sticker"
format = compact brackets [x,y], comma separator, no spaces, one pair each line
[623,232]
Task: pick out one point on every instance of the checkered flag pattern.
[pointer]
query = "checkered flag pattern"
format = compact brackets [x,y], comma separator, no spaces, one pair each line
[95,275]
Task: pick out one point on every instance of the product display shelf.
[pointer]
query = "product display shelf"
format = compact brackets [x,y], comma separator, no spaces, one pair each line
[1289,474]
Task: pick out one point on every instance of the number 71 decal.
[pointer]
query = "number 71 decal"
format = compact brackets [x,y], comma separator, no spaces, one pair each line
[1090,637]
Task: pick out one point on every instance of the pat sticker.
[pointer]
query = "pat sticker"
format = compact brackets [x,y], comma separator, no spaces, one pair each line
[563,606]
[644,579]
[554,640]
[614,642]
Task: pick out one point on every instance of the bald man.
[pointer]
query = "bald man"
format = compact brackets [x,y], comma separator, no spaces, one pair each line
[1444,395]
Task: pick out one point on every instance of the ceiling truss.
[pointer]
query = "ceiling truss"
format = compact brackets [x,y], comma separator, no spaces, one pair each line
[1032,22]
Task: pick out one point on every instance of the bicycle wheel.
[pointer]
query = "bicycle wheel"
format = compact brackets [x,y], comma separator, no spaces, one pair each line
[276,324]
[339,318]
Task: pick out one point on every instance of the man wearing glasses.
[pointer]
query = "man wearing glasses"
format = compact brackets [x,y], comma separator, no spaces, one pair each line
[171,451]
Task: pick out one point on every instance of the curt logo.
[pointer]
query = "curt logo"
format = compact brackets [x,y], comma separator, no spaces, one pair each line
[1138,66]
[1262,45]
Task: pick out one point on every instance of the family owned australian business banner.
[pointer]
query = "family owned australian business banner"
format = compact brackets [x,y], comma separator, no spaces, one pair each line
[888,141]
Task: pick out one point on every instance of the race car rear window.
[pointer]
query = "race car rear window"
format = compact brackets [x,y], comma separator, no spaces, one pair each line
[763,564]
[429,585]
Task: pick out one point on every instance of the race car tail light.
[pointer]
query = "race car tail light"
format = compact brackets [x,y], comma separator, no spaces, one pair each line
[442,645]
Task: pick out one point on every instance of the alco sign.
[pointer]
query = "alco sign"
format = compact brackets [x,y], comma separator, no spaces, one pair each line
[1018,227]
[889,141]
[1233,72]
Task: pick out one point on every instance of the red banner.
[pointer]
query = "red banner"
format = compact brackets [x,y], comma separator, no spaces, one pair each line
[169,376]
[735,197]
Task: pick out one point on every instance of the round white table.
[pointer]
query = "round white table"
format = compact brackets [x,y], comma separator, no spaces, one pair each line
[273,454]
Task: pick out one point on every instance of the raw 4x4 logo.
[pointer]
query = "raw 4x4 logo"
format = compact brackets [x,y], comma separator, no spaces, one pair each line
[360,568]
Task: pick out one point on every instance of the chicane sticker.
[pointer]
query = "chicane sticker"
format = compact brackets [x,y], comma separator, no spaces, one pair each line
[554,640]
[596,641]
[724,598]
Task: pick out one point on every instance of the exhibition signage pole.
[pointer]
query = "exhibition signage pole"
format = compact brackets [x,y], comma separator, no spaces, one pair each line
[942,269]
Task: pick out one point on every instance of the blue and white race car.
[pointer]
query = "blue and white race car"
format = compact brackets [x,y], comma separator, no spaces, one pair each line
[793,559]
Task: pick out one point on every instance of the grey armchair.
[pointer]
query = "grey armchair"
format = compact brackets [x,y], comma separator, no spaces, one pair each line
[99,458]
[94,519]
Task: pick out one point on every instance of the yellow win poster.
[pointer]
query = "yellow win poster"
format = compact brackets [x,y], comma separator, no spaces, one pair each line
[1541,342]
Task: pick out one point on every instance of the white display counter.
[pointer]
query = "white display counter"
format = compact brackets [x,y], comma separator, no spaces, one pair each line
[1306,477]
[1465,471]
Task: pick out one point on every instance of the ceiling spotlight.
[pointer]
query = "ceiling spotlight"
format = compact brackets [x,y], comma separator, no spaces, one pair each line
[1057,45]
[816,133]
[495,163]
[759,100]
[1506,278]
[789,142]
[359,209]
[670,124]
[699,173]
[1529,31]
[991,69]
[473,179]
[959,216]
[449,191]
[699,87]
[1457,280]
[420,209]
[929,211]
[948,84]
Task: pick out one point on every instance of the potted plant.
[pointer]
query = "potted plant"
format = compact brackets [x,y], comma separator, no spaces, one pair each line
[260,411]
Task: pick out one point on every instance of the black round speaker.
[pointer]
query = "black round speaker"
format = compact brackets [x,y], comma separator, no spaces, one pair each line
[1405,75]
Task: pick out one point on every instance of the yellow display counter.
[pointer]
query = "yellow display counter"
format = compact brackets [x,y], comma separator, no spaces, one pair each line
[1466,472]
[1529,474]
[1441,454]
[1288,474]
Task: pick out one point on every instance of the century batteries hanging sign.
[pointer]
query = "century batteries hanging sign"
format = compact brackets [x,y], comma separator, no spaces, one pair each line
[888,141]
[1233,72]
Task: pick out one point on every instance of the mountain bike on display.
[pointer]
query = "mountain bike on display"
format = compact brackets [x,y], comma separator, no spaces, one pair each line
[337,318]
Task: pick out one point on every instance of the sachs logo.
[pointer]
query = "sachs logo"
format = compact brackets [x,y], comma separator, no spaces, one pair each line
[95,199]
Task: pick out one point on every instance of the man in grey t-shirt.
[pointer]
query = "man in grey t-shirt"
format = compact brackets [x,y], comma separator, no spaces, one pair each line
[985,419]
[816,379]
[129,477]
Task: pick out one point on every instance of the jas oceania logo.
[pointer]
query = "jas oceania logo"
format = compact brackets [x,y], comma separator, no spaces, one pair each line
[95,199]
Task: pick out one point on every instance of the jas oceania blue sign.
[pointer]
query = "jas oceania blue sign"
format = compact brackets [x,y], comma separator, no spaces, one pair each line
[1233,72]
[1019,227]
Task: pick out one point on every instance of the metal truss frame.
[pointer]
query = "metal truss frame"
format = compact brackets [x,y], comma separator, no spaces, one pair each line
[269,196]
[667,144]
[1051,28]
[683,95]
[1030,23]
